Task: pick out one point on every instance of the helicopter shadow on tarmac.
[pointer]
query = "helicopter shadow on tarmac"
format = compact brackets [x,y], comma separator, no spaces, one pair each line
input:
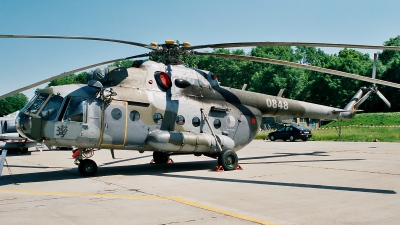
[168,170]
[278,155]
[63,173]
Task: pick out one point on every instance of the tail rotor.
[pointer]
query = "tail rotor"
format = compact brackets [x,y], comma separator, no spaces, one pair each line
[372,89]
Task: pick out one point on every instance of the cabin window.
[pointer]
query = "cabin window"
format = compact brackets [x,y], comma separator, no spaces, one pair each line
[76,110]
[134,115]
[217,123]
[50,110]
[40,99]
[196,121]
[116,114]
[180,120]
[158,118]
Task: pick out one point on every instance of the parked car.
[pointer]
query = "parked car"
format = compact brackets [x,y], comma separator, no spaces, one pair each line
[291,132]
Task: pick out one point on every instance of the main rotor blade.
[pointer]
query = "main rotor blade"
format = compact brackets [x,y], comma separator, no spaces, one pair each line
[383,98]
[302,66]
[67,73]
[268,43]
[77,38]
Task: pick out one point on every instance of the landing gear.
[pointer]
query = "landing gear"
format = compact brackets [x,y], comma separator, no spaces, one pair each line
[228,160]
[161,157]
[87,167]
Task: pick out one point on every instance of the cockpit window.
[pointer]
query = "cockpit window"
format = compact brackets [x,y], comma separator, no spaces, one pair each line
[50,110]
[37,103]
[76,110]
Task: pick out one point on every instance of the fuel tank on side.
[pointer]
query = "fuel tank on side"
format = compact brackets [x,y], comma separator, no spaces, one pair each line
[172,141]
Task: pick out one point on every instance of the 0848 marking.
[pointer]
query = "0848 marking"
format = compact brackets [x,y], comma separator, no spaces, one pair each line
[277,104]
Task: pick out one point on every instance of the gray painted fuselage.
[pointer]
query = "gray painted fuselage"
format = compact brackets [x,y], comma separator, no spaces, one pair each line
[146,117]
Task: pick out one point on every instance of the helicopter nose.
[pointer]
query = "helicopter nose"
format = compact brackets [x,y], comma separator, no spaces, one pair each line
[23,123]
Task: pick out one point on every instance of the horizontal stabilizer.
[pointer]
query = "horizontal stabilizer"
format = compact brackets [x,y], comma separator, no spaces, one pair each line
[344,110]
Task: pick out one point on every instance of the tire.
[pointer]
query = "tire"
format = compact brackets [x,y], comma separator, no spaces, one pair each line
[272,138]
[24,150]
[160,157]
[291,138]
[87,167]
[305,139]
[228,159]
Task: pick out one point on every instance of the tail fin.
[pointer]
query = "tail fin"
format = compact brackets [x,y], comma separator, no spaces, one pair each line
[352,105]
[373,89]
[359,98]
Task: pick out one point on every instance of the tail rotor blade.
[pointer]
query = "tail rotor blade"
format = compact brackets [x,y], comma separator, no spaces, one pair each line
[374,67]
[362,100]
[383,98]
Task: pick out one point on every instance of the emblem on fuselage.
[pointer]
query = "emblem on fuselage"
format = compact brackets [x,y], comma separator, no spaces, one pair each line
[62,130]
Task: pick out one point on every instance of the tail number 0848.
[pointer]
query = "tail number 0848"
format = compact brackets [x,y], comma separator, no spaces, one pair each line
[277,104]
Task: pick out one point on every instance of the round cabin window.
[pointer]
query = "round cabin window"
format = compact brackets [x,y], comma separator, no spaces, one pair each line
[158,118]
[116,114]
[134,115]
[217,123]
[196,121]
[180,120]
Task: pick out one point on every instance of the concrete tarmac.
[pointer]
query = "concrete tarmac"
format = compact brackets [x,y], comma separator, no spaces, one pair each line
[281,183]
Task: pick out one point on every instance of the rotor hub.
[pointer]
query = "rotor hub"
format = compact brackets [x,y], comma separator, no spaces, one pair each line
[171,51]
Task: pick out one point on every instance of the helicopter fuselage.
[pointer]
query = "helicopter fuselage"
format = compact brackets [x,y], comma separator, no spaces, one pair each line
[156,107]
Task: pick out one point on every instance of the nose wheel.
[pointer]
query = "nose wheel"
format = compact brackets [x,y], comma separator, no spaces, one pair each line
[87,167]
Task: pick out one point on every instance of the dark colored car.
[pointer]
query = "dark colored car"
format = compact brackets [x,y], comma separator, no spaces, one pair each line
[291,132]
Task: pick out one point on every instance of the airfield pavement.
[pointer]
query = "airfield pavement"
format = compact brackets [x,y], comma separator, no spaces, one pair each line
[281,183]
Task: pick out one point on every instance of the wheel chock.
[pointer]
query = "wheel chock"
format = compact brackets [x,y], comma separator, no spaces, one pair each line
[219,168]
[169,161]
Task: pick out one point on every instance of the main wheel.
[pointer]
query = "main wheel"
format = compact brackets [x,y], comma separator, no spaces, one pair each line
[87,167]
[160,157]
[305,139]
[228,159]
[272,138]
[291,138]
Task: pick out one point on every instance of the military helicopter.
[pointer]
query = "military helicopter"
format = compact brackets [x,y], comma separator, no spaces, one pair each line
[167,108]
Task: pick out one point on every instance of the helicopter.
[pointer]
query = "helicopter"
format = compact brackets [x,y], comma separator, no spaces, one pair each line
[166,107]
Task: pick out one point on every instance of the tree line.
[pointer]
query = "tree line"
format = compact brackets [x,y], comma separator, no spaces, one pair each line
[298,83]
[308,85]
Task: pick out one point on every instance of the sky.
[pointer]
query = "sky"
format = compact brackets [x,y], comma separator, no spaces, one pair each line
[25,61]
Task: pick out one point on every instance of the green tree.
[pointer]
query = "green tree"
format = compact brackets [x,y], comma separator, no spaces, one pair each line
[391,63]
[69,79]
[12,104]
[123,63]
[268,78]
[335,90]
